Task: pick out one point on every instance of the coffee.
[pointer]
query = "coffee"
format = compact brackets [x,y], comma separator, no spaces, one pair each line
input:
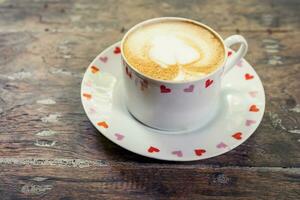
[173,50]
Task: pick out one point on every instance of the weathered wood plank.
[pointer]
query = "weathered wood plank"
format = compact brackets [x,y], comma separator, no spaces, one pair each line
[55,63]
[97,16]
[133,180]
[48,148]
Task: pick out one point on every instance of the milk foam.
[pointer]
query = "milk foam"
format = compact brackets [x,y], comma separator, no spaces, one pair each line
[174,50]
[169,50]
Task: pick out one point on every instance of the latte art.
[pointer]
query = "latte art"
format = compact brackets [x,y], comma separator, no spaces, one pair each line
[167,51]
[174,50]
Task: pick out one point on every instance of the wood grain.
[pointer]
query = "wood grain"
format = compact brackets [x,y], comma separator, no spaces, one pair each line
[49,149]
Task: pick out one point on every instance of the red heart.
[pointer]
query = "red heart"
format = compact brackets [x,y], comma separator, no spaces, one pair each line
[229,53]
[199,152]
[208,83]
[237,135]
[117,50]
[189,89]
[164,89]
[103,124]
[248,76]
[153,149]
[128,73]
[254,108]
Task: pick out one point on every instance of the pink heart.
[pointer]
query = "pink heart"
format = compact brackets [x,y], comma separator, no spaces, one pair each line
[92,111]
[253,93]
[104,59]
[136,81]
[119,136]
[249,122]
[239,63]
[189,89]
[88,84]
[221,145]
[177,153]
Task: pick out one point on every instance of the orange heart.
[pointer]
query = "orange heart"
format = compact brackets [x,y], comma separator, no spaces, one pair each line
[87,96]
[254,108]
[248,76]
[237,135]
[103,124]
[95,69]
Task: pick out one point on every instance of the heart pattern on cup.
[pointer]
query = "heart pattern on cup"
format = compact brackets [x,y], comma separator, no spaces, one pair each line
[177,153]
[119,136]
[144,84]
[253,108]
[103,124]
[249,122]
[221,145]
[103,59]
[117,50]
[208,83]
[229,53]
[237,136]
[200,152]
[189,89]
[152,149]
[248,76]
[164,89]
[129,74]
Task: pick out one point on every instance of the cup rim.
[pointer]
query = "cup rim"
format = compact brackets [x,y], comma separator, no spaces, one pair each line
[152,20]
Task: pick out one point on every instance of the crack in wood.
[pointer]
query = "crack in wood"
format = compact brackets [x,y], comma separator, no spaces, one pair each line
[32,189]
[57,162]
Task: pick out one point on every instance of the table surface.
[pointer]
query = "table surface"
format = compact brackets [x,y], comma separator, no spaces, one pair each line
[50,150]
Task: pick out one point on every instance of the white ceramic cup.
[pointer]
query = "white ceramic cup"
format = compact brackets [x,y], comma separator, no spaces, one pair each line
[177,106]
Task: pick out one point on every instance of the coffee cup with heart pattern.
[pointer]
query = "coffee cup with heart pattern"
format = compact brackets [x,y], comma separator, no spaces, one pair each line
[178,106]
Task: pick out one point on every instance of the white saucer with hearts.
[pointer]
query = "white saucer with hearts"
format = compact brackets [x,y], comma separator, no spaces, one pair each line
[241,111]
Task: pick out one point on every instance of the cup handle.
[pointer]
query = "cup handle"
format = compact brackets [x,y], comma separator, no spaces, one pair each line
[234,58]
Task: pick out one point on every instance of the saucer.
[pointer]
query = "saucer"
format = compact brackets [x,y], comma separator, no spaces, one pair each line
[241,111]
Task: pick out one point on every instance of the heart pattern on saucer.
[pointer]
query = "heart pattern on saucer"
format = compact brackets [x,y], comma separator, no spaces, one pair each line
[117,50]
[177,153]
[100,101]
[248,76]
[200,152]
[103,59]
[119,136]
[249,122]
[153,150]
[221,145]
[237,135]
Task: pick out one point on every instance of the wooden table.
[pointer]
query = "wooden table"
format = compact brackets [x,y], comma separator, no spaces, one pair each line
[50,150]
